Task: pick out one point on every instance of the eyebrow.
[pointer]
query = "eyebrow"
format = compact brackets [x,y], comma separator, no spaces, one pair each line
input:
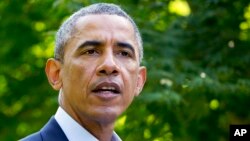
[125,45]
[96,43]
[90,43]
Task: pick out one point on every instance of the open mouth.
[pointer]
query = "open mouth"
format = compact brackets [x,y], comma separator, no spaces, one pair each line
[107,87]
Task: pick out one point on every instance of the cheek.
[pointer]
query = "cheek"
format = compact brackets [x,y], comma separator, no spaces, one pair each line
[130,77]
[131,66]
[78,75]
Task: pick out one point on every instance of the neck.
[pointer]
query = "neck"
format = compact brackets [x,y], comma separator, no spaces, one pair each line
[101,129]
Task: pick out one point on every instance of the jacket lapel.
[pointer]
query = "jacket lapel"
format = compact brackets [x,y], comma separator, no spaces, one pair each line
[53,132]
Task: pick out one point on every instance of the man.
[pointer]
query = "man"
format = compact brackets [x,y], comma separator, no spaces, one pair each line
[97,71]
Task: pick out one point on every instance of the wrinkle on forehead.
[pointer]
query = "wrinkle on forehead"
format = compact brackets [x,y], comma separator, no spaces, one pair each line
[104,23]
[106,29]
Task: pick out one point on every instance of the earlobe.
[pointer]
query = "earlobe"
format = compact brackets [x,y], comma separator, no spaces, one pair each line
[141,80]
[53,68]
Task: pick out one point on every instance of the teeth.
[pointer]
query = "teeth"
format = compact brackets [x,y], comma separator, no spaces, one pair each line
[108,88]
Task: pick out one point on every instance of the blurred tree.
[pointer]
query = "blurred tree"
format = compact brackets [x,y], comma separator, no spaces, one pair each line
[197,54]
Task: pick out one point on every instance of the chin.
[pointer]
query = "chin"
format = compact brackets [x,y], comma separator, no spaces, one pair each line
[107,115]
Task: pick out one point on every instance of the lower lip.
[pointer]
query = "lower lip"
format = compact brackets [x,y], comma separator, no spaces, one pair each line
[106,95]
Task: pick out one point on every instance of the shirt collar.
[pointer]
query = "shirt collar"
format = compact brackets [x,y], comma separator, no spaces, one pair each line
[68,124]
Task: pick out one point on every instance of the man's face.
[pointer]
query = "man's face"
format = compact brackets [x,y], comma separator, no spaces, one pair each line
[101,73]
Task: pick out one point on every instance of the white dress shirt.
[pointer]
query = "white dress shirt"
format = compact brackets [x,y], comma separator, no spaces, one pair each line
[73,130]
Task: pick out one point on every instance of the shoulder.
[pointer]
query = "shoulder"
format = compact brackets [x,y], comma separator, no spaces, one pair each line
[50,132]
[33,137]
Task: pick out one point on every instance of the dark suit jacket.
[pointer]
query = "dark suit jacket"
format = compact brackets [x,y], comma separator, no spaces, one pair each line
[50,132]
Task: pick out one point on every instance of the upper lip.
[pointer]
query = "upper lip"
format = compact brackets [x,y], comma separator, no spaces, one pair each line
[107,86]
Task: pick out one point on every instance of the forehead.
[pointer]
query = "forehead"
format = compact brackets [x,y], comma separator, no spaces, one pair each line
[103,22]
[114,20]
[103,27]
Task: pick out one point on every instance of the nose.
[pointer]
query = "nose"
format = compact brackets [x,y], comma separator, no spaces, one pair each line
[107,65]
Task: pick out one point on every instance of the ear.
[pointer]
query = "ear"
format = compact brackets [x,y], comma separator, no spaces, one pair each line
[53,68]
[142,76]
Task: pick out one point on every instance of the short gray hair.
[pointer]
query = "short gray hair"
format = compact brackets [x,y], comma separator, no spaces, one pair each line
[66,30]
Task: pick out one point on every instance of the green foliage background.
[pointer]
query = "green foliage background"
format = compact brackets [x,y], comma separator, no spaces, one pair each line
[198,67]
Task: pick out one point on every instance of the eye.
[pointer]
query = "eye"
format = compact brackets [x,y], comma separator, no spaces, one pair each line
[90,52]
[124,54]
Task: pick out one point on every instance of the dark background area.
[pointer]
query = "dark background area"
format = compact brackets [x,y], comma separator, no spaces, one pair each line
[197,53]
